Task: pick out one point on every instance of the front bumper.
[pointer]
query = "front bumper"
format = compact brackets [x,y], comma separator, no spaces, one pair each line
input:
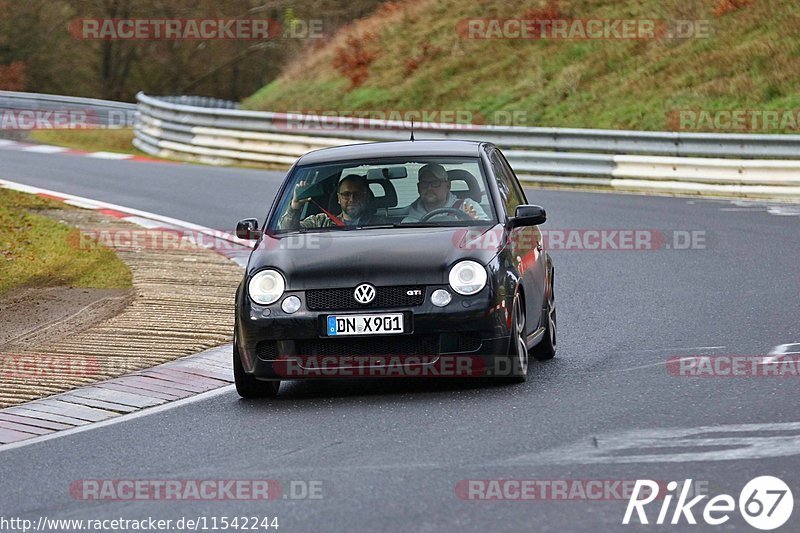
[462,339]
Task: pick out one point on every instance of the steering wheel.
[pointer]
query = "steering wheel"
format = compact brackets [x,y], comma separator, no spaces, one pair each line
[458,213]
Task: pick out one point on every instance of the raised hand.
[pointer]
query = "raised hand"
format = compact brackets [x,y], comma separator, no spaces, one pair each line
[297,203]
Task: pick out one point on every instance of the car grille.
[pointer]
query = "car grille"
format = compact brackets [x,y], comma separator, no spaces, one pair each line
[267,350]
[366,346]
[466,341]
[338,299]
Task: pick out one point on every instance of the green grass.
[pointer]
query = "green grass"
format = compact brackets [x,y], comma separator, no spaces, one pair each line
[90,140]
[752,62]
[36,251]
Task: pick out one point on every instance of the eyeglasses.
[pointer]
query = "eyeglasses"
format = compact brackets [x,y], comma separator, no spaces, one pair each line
[430,184]
[352,194]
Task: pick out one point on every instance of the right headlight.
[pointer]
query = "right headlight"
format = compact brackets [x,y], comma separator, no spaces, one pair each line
[266,287]
[467,277]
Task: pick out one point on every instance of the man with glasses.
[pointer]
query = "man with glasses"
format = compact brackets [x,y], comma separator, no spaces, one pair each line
[434,193]
[354,198]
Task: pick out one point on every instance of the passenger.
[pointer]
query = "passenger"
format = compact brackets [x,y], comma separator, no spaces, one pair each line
[434,193]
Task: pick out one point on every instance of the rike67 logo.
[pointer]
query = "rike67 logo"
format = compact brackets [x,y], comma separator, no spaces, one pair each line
[765,503]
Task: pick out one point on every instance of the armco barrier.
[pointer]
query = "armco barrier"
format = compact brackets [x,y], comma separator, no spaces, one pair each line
[218,132]
[103,112]
[694,163]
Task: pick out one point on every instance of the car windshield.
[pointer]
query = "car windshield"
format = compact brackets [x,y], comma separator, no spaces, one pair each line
[392,193]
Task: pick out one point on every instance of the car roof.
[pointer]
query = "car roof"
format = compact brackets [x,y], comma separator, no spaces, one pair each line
[426,148]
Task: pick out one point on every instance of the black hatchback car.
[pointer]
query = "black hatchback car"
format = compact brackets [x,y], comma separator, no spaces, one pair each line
[395,259]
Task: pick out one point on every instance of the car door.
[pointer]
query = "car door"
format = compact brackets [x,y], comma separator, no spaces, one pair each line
[524,242]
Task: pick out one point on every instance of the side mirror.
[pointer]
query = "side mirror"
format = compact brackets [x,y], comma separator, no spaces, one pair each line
[528,215]
[247,229]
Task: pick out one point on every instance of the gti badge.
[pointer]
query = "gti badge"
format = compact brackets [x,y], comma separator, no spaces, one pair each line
[364,293]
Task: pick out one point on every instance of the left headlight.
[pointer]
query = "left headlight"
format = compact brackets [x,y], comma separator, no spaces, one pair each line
[467,277]
[266,287]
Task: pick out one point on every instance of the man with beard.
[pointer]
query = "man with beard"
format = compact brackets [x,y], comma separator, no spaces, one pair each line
[354,198]
[434,193]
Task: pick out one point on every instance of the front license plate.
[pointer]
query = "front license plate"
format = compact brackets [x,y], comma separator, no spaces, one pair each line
[365,324]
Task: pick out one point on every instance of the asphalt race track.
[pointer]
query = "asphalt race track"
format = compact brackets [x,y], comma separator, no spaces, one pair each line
[389,454]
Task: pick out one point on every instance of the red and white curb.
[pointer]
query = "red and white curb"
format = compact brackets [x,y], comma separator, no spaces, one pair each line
[224,243]
[192,377]
[6,144]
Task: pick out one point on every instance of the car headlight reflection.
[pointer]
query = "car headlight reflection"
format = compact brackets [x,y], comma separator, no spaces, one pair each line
[266,287]
[467,278]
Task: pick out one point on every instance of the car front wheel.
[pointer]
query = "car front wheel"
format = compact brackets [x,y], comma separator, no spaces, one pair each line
[546,349]
[518,350]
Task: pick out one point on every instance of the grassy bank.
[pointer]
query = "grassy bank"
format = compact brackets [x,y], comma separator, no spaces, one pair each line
[36,251]
[410,55]
[90,140]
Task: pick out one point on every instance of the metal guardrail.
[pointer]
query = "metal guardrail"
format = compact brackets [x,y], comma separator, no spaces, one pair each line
[219,132]
[106,113]
[702,163]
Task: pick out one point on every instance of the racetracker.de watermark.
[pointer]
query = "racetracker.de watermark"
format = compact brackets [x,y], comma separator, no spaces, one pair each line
[732,366]
[556,489]
[575,29]
[181,29]
[32,365]
[177,240]
[587,239]
[64,119]
[734,120]
[195,489]
[162,239]
[47,119]
[388,366]
[390,119]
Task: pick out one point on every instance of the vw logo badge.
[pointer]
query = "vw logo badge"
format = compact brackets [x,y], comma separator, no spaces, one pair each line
[364,293]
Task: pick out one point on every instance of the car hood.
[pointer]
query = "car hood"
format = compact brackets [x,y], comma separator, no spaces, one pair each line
[397,256]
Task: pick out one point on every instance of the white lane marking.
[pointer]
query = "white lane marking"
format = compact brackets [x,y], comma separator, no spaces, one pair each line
[677,349]
[82,205]
[628,369]
[789,209]
[651,365]
[144,222]
[96,204]
[773,356]
[784,210]
[779,351]
[45,149]
[783,349]
[702,443]
[122,418]
[6,143]
[109,155]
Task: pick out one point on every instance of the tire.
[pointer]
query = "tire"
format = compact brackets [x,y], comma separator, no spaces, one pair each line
[246,385]
[517,349]
[546,349]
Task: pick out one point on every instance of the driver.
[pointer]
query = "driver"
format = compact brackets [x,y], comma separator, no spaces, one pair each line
[434,193]
[354,199]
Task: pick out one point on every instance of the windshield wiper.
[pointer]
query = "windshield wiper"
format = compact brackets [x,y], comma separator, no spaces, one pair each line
[379,226]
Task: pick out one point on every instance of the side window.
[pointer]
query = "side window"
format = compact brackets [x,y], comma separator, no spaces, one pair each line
[512,179]
[506,183]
